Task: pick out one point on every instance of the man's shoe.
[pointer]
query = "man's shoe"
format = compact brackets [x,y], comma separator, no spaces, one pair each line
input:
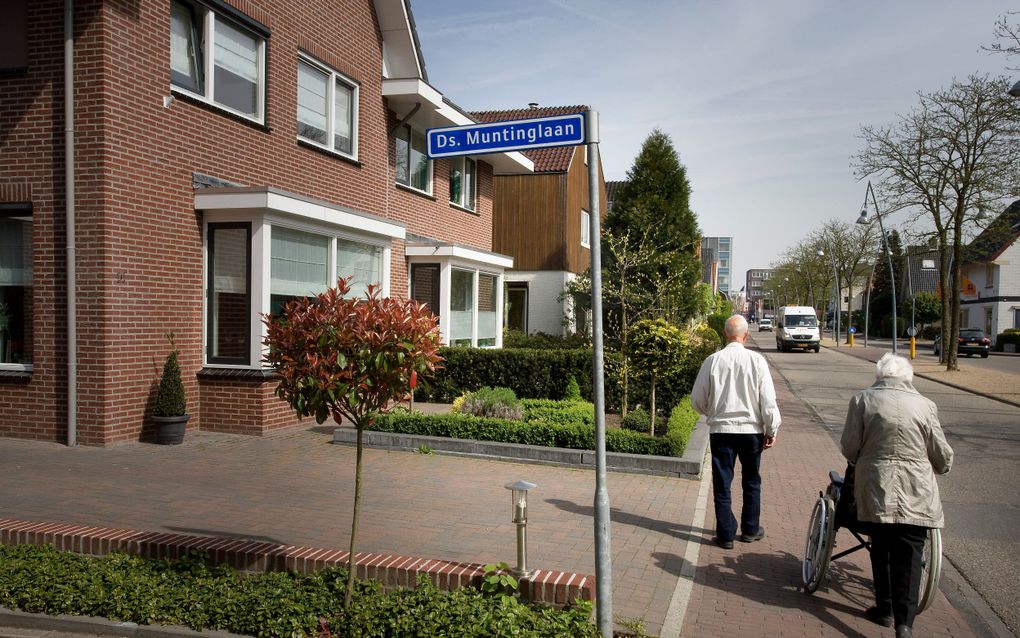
[903,631]
[723,544]
[750,538]
[879,616]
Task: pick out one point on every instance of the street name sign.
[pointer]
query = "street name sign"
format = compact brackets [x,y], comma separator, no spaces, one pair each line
[511,135]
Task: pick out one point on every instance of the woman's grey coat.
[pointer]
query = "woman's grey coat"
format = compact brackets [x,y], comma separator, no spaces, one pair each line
[894,438]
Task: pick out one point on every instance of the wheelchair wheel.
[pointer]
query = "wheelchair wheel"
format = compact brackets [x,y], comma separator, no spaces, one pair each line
[931,569]
[818,548]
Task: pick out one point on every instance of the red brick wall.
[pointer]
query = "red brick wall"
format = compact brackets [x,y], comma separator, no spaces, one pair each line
[138,236]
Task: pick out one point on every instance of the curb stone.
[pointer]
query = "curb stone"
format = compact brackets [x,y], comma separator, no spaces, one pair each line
[102,626]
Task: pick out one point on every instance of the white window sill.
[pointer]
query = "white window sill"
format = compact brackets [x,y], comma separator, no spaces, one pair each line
[416,191]
[216,106]
[472,211]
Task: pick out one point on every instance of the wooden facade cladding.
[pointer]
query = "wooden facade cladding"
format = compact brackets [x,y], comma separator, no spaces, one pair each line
[537,217]
[529,220]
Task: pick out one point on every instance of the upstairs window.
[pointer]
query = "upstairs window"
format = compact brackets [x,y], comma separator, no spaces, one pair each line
[463,182]
[414,169]
[586,229]
[327,108]
[215,59]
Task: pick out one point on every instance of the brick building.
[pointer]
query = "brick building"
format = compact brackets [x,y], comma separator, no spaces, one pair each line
[227,155]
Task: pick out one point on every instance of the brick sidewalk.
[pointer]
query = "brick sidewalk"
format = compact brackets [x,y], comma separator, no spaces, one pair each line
[292,488]
[755,589]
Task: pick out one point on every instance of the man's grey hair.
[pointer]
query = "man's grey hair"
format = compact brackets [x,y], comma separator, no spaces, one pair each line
[893,366]
[736,325]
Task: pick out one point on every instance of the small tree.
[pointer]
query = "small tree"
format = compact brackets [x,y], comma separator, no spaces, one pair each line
[351,358]
[659,348]
[170,399]
[926,308]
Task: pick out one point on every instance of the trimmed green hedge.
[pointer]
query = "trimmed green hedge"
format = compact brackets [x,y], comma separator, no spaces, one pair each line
[569,434]
[560,412]
[186,592]
[531,374]
[1011,335]
[545,374]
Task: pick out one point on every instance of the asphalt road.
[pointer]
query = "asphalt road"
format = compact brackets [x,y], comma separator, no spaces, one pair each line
[999,362]
[980,495]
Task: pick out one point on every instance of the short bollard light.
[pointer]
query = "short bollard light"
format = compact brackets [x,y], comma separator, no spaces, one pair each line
[519,508]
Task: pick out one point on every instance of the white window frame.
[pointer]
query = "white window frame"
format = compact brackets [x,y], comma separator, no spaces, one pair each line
[585,229]
[430,164]
[26,215]
[262,224]
[462,162]
[206,19]
[335,76]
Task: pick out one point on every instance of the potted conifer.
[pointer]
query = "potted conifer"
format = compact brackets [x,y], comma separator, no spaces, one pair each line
[170,410]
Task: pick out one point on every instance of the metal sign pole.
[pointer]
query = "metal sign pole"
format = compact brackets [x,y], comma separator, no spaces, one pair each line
[603,555]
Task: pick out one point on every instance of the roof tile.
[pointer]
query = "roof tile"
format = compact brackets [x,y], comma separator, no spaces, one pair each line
[547,160]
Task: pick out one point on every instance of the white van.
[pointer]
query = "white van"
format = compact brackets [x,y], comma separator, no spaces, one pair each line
[797,327]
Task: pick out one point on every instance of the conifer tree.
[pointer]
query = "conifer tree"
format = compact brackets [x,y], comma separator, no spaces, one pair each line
[653,208]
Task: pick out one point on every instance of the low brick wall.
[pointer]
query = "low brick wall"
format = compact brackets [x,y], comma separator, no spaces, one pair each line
[544,586]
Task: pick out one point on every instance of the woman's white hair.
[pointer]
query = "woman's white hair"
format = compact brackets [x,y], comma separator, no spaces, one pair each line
[893,366]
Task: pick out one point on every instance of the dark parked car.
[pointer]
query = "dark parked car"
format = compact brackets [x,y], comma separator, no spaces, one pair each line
[972,341]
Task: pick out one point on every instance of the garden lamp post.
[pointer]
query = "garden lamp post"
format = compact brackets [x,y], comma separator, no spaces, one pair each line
[519,509]
[837,309]
[863,219]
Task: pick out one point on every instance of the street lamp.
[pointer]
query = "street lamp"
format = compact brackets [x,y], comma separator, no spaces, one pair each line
[863,219]
[839,300]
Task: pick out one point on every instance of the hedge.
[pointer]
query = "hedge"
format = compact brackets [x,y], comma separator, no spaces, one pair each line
[1010,335]
[187,592]
[544,374]
[571,435]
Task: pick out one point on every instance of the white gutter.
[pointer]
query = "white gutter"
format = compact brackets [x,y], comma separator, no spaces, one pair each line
[72,309]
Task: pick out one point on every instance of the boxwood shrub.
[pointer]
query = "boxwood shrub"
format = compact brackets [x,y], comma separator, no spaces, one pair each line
[187,592]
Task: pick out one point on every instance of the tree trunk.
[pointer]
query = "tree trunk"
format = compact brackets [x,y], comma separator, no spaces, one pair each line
[651,426]
[352,563]
[623,350]
[945,287]
[952,345]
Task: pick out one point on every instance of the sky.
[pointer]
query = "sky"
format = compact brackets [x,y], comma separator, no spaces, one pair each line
[763,99]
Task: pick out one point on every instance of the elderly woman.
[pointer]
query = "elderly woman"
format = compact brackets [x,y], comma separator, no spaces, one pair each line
[894,439]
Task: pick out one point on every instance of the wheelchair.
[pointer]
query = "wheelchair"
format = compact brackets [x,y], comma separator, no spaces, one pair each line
[832,512]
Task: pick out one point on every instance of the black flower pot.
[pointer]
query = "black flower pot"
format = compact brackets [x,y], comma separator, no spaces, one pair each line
[171,429]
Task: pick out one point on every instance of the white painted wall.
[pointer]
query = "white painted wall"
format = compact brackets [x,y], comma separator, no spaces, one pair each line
[545,310]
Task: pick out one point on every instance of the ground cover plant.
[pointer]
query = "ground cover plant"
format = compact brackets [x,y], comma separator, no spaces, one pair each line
[187,592]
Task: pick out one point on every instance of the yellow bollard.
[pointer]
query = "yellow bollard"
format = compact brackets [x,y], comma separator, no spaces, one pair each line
[851,340]
[913,348]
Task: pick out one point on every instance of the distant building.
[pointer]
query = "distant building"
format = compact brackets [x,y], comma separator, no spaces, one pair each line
[990,297]
[716,255]
[754,289]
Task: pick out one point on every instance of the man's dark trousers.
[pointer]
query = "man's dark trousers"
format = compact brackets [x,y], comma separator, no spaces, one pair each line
[726,449]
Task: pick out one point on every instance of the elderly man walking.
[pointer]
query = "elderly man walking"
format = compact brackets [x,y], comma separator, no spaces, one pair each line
[734,391]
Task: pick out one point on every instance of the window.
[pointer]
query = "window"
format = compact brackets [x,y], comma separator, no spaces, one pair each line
[414,169]
[988,321]
[1016,318]
[487,324]
[16,287]
[361,262]
[299,266]
[586,229]
[517,306]
[229,293]
[989,275]
[463,182]
[326,108]
[14,36]
[462,306]
[217,60]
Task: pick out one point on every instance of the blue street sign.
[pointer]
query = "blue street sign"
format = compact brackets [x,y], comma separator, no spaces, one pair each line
[852,330]
[501,137]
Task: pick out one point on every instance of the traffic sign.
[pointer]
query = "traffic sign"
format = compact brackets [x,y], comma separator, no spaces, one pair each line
[912,331]
[501,137]
[851,330]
